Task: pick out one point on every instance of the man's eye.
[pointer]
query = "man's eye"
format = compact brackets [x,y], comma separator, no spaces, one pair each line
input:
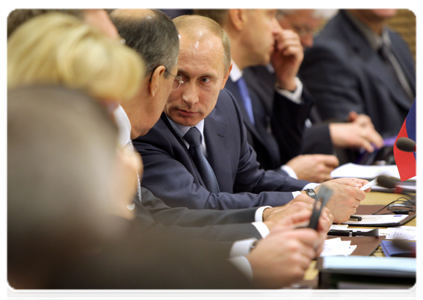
[205,80]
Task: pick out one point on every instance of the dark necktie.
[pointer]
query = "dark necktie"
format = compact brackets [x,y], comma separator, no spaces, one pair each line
[243,89]
[193,137]
[395,67]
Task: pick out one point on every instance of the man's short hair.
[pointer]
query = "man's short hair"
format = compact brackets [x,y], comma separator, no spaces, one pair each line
[153,36]
[61,151]
[192,23]
[19,16]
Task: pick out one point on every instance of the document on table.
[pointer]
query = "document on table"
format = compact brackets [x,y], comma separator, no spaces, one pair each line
[400,233]
[336,246]
[363,171]
[374,220]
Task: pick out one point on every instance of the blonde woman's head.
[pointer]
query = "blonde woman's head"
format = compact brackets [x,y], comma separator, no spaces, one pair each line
[59,49]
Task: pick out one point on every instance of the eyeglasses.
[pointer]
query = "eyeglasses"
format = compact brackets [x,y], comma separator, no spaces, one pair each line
[301,31]
[176,82]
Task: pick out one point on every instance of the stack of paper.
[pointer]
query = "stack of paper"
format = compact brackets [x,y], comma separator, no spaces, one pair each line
[336,246]
[400,233]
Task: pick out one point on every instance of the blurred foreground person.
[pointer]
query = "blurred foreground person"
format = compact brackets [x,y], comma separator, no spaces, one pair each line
[58,201]
[95,17]
[61,228]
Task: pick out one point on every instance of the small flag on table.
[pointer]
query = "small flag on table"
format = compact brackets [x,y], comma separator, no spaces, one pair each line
[406,161]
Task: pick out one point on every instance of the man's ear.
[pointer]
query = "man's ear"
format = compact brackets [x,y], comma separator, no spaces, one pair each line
[237,18]
[156,79]
[226,77]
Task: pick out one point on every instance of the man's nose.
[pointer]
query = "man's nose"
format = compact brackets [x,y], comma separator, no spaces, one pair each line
[190,93]
[307,40]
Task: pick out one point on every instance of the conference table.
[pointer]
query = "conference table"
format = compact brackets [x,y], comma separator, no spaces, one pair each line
[373,198]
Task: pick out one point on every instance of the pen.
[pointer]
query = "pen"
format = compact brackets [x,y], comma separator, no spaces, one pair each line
[355,218]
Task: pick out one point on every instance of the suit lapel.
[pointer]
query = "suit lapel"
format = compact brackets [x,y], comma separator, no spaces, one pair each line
[218,145]
[402,59]
[188,162]
[374,64]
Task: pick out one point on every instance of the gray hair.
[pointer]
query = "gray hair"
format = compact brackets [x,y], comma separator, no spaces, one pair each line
[153,36]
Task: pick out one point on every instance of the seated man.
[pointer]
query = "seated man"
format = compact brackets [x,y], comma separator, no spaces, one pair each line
[319,137]
[358,64]
[184,180]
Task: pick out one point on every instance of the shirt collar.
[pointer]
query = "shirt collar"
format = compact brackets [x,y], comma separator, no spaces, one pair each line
[236,72]
[182,129]
[374,40]
[124,126]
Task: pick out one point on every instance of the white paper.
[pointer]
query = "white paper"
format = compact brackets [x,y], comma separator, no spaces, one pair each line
[376,219]
[339,227]
[402,233]
[336,246]
[363,171]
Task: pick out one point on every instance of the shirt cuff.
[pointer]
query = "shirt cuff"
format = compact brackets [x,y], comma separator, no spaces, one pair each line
[311,185]
[243,265]
[258,217]
[295,194]
[261,228]
[289,171]
[241,248]
[293,96]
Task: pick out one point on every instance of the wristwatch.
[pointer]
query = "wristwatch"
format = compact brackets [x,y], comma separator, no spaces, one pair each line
[311,193]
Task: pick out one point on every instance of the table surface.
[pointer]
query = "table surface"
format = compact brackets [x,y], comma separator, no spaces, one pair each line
[372,198]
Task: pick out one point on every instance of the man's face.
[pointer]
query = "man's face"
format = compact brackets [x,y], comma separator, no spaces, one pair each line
[200,65]
[258,35]
[304,23]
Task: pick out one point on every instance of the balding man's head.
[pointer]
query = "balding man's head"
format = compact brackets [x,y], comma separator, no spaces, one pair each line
[204,27]
[151,33]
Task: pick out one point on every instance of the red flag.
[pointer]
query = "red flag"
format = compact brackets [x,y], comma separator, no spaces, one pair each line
[406,161]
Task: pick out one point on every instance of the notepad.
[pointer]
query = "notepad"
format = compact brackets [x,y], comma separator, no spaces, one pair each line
[377,220]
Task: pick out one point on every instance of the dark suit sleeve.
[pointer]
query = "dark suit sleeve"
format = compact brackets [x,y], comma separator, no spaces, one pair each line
[317,140]
[330,78]
[167,173]
[288,122]
[230,225]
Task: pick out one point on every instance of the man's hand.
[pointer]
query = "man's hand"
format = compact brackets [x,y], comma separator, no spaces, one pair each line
[360,132]
[284,255]
[314,168]
[346,197]
[286,58]
[278,215]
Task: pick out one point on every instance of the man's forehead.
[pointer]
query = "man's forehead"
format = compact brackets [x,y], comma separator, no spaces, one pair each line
[132,13]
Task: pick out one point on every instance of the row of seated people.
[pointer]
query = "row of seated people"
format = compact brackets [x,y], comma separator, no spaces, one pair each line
[222,201]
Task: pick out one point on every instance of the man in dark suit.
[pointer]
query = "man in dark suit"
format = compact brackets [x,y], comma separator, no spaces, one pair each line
[155,38]
[170,170]
[358,64]
[274,125]
[319,137]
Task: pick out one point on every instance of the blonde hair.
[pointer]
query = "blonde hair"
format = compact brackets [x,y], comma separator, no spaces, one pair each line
[60,49]
[185,23]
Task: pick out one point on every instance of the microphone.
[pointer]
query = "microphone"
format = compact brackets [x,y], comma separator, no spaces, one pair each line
[390,183]
[406,144]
